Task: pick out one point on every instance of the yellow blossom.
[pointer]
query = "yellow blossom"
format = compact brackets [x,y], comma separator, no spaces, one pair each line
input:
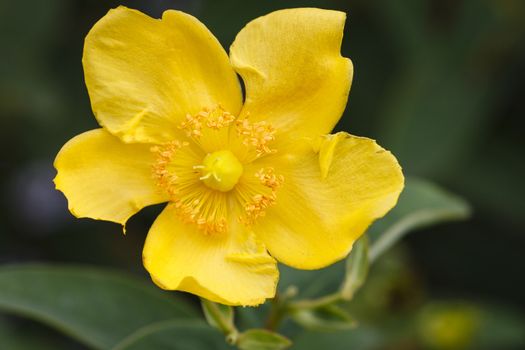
[248,181]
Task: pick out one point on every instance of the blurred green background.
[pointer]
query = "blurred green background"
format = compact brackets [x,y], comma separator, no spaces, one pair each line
[441,83]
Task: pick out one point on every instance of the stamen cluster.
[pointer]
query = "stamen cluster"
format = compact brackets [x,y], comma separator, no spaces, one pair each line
[256,208]
[178,170]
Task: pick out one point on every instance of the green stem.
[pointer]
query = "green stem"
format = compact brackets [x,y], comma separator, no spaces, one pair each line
[228,328]
[277,314]
[278,309]
[315,303]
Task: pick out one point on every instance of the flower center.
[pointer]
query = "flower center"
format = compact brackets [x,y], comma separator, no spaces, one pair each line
[211,174]
[220,170]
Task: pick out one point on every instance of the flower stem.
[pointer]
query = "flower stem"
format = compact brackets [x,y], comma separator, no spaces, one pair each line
[279,308]
[315,303]
[227,327]
[277,314]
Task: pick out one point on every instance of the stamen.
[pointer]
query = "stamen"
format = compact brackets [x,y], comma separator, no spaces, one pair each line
[269,179]
[193,124]
[166,179]
[258,135]
[256,207]
[216,118]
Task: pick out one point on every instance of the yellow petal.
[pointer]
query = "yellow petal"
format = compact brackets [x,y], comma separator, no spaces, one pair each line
[329,197]
[144,75]
[231,268]
[294,74]
[104,178]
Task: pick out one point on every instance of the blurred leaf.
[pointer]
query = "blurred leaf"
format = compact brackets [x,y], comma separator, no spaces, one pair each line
[22,337]
[433,112]
[356,268]
[437,325]
[392,287]
[421,204]
[326,318]
[495,164]
[249,317]
[446,88]
[463,324]
[175,335]
[261,339]
[97,307]
[363,338]
[225,311]
[451,326]
[406,23]
[500,328]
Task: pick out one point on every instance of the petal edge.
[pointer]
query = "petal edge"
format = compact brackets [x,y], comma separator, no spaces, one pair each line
[104,178]
[231,268]
[294,73]
[144,75]
[317,219]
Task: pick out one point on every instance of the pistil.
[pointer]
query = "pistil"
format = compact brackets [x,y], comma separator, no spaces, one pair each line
[220,170]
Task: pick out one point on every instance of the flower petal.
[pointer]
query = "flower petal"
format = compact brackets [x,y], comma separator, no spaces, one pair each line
[104,178]
[231,268]
[294,74]
[144,75]
[329,198]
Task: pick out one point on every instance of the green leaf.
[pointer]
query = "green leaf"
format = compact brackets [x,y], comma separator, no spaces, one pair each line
[421,204]
[363,338]
[175,335]
[356,268]
[326,318]
[212,311]
[96,307]
[15,336]
[261,339]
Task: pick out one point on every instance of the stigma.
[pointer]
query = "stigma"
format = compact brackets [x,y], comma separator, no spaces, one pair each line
[220,170]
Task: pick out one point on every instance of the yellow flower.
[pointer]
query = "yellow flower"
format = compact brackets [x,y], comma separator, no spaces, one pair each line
[247,182]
